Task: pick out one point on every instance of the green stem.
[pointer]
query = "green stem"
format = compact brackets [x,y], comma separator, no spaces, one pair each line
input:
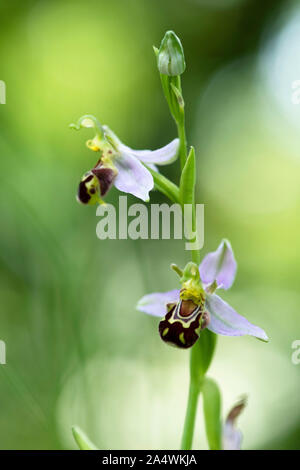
[173,94]
[194,388]
[182,142]
[195,255]
[165,186]
[190,417]
[195,378]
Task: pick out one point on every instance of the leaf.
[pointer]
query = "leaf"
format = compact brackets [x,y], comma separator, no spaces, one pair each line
[204,350]
[188,180]
[212,413]
[82,440]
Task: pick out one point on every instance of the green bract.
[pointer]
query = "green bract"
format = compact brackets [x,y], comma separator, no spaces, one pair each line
[212,413]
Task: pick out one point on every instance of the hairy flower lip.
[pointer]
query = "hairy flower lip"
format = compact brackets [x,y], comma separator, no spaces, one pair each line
[82,195]
[178,330]
[105,175]
[88,189]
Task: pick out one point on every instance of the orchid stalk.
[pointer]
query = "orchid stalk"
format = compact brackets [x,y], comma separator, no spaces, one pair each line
[192,314]
[217,270]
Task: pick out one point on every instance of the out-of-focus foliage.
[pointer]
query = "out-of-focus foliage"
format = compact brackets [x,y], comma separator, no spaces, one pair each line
[77,351]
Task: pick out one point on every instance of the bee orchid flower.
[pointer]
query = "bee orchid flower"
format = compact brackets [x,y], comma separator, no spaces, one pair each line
[196,305]
[119,165]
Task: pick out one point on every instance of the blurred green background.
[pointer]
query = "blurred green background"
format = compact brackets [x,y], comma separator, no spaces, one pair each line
[77,351]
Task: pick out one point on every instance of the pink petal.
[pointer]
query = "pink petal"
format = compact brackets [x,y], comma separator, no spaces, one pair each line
[156,303]
[224,320]
[219,266]
[133,177]
[162,156]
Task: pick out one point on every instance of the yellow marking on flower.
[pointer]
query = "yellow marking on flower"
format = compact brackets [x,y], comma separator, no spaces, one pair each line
[198,330]
[181,338]
[92,144]
[192,290]
[191,284]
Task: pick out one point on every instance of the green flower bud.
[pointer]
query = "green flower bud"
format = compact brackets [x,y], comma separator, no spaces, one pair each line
[170,58]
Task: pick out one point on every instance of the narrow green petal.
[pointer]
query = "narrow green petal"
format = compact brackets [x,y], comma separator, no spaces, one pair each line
[171,56]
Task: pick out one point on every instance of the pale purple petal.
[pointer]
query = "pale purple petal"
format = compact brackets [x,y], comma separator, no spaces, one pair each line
[224,320]
[232,437]
[133,177]
[156,303]
[219,266]
[162,156]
